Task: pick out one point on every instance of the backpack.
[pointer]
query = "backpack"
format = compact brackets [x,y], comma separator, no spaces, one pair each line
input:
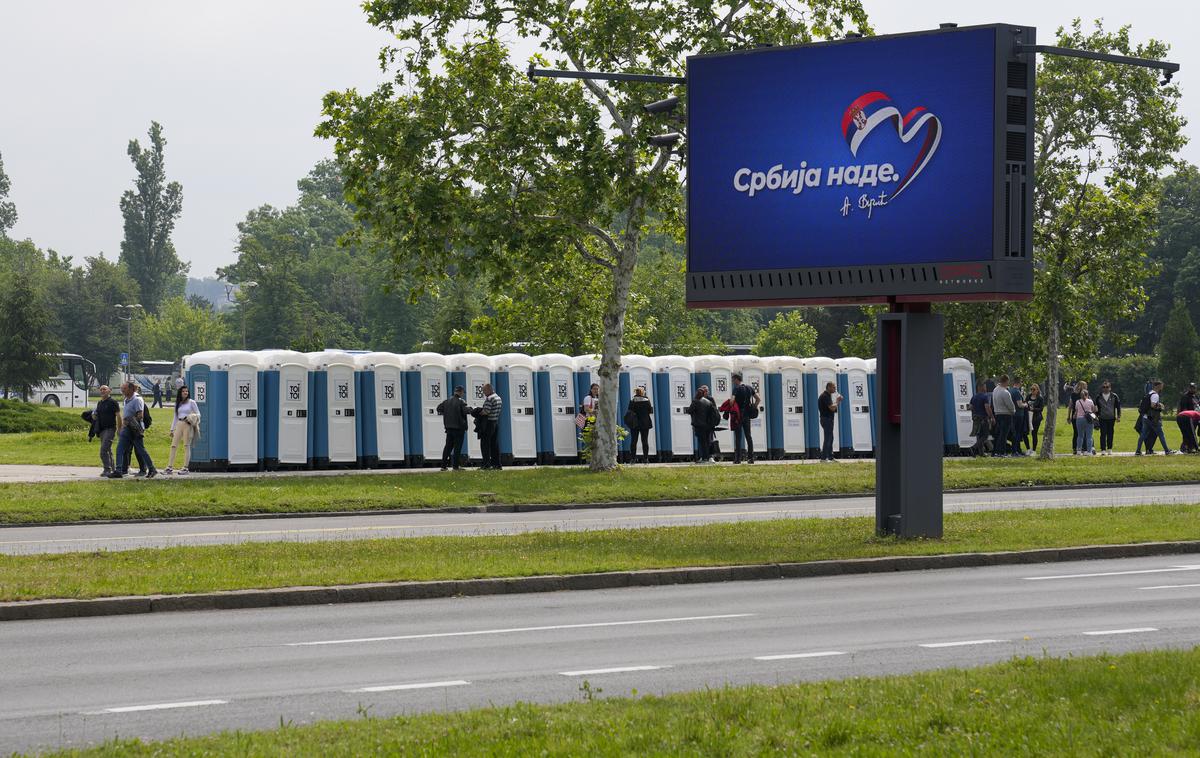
[146,420]
[1144,406]
[751,411]
[714,416]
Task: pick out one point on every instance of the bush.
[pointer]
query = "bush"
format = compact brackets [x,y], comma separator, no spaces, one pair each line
[18,416]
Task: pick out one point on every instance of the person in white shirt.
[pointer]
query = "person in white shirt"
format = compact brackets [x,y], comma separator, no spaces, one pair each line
[183,430]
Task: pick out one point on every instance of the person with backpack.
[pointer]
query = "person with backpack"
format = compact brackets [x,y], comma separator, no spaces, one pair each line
[747,401]
[705,418]
[134,421]
[639,417]
[1108,411]
[1150,415]
[1085,420]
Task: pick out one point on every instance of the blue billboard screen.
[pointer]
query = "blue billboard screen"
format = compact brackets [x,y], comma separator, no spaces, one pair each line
[866,153]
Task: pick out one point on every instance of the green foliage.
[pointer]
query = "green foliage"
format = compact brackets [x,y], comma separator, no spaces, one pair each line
[1179,350]
[859,339]
[1172,257]
[1128,375]
[82,313]
[25,339]
[179,328]
[787,334]
[658,314]
[8,211]
[17,416]
[150,213]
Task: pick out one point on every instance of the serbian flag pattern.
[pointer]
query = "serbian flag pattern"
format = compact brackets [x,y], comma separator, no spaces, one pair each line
[874,108]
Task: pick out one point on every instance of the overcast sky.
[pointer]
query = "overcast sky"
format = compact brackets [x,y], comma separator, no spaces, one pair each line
[237,86]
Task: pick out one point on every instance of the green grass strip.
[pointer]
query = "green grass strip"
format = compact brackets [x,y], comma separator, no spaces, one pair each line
[283,564]
[1144,703]
[81,501]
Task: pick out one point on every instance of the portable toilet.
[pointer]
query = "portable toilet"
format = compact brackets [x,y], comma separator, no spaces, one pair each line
[716,372]
[673,391]
[636,371]
[231,391]
[380,409]
[958,375]
[817,372]
[333,399]
[425,388]
[587,373]
[871,395]
[286,429]
[854,414]
[512,375]
[555,408]
[472,371]
[785,406]
[753,370]
[202,377]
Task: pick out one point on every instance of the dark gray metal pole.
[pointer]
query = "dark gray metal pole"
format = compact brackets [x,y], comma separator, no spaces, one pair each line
[908,459]
[602,75]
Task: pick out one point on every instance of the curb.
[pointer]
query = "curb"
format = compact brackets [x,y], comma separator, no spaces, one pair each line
[387,591]
[535,507]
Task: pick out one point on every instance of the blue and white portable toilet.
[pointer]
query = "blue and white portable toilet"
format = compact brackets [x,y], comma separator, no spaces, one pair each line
[202,376]
[425,388]
[753,370]
[512,375]
[854,414]
[472,371]
[286,430]
[785,406]
[381,409]
[556,408]
[817,372]
[333,398]
[587,373]
[231,390]
[636,371]
[673,393]
[716,372]
[958,375]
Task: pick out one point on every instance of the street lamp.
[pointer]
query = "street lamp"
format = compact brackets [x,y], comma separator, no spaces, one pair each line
[126,314]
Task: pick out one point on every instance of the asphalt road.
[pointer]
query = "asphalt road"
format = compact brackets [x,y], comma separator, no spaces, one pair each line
[126,536]
[74,682]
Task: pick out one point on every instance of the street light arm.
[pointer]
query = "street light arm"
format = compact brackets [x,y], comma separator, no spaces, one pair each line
[1167,67]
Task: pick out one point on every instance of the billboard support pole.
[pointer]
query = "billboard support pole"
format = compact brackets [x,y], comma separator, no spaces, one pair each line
[908,459]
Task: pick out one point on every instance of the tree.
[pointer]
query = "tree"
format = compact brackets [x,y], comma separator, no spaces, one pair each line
[25,341]
[1187,284]
[178,329]
[82,313]
[787,334]
[1178,235]
[1179,350]
[150,212]
[8,211]
[1104,132]
[462,163]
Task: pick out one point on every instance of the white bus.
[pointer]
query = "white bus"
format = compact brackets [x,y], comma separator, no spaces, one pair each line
[67,388]
[145,373]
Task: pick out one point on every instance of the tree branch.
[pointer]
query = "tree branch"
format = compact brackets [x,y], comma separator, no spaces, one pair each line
[599,92]
[592,229]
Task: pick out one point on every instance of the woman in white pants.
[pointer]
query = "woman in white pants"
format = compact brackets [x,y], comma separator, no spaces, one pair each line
[182,428]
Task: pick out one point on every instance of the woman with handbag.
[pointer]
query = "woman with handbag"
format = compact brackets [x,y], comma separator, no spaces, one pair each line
[1085,421]
[640,412]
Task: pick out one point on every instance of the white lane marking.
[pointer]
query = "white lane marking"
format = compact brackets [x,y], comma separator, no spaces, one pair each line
[1114,573]
[1122,631]
[618,670]
[417,686]
[163,706]
[1169,586]
[517,630]
[961,643]
[789,656]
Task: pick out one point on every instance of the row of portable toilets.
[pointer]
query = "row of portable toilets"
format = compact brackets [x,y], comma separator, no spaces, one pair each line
[282,409]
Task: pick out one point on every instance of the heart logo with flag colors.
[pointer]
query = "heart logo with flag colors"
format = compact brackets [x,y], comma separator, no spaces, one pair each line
[874,108]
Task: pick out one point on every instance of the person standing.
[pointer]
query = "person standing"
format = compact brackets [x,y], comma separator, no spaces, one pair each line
[1188,401]
[179,382]
[106,414]
[1076,392]
[490,443]
[1003,408]
[747,401]
[642,416]
[704,415]
[1108,412]
[1187,430]
[1037,406]
[158,394]
[981,418]
[184,423]
[453,411]
[827,408]
[131,434]
[1085,419]
[1020,430]
[1150,410]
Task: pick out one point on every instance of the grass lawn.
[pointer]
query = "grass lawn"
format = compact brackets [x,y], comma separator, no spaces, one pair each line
[1144,703]
[283,564]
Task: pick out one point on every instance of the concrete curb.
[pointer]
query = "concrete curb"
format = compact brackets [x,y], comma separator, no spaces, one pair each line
[366,593]
[536,507]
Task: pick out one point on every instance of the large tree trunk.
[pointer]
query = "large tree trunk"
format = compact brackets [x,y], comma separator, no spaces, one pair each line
[604,436]
[1054,382]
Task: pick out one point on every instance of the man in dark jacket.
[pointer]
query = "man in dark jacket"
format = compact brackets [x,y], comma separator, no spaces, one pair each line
[453,411]
[827,408]
[104,421]
[745,396]
[1108,409]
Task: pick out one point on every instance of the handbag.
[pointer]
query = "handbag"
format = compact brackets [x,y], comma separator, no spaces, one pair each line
[630,419]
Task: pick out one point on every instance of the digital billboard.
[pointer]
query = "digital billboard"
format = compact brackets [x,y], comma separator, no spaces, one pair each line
[862,170]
